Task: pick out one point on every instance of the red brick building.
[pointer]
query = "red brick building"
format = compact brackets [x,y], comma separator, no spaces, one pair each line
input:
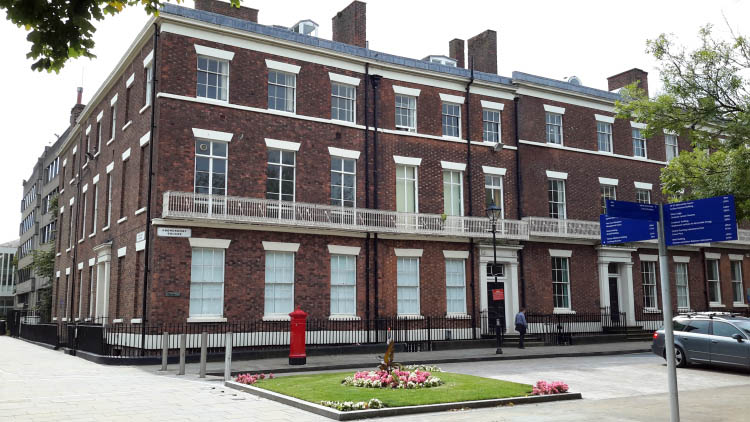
[293,171]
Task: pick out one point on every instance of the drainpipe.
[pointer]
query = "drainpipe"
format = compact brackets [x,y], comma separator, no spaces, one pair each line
[705,280]
[375,81]
[471,203]
[147,246]
[519,208]
[367,200]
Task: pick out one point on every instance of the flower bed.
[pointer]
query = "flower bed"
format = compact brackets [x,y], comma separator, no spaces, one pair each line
[394,379]
[251,379]
[345,406]
[543,388]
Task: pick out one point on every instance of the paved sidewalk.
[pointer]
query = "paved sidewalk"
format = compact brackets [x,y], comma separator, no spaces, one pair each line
[329,362]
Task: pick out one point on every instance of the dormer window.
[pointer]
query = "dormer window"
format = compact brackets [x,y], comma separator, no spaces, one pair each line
[305,27]
[445,61]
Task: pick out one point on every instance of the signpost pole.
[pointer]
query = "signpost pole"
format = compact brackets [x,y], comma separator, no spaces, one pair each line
[666,300]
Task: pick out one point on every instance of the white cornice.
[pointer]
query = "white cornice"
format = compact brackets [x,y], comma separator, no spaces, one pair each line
[211,135]
[557,175]
[451,98]
[408,161]
[413,92]
[499,171]
[214,52]
[343,153]
[282,67]
[348,80]
[492,105]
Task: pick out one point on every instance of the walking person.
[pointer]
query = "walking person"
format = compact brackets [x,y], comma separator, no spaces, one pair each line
[521,326]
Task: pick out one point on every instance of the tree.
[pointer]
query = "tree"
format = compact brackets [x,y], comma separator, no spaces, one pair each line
[64,29]
[706,98]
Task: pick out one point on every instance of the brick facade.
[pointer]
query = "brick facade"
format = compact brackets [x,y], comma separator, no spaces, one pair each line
[178,112]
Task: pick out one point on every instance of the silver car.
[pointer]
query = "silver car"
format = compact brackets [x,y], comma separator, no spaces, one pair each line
[708,338]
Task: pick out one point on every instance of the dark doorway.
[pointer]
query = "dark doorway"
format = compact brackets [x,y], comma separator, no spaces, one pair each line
[614,297]
[495,296]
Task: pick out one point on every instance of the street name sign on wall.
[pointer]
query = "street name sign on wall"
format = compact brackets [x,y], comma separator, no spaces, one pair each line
[634,210]
[700,221]
[173,232]
[619,230]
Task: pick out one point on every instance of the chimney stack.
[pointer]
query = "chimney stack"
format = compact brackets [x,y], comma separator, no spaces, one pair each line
[628,77]
[350,25]
[77,108]
[226,9]
[483,50]
[456,51]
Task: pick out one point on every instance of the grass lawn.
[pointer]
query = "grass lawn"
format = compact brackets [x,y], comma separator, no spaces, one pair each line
[457,387]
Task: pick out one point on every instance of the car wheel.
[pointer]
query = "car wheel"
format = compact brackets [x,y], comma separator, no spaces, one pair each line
[680,359]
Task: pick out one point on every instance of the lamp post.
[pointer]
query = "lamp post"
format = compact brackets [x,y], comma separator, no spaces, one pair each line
[494,213]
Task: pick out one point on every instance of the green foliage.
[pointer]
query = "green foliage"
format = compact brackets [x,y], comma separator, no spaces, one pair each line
[458,387]
[64,29]
[44,304]
[43,262]
[706,98]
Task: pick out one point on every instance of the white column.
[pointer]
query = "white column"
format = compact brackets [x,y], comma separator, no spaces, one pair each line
[603,284]
[511,298]
[627,290]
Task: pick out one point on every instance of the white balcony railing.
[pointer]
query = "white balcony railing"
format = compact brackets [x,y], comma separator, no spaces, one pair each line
[571,229]
[232,209]
[263,211]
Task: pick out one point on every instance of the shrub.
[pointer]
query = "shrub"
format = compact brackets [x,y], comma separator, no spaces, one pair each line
[394,379]
[350,405]
[252,379]
[544,388]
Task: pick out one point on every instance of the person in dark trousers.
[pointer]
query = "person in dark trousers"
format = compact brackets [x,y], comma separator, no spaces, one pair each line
[521,326]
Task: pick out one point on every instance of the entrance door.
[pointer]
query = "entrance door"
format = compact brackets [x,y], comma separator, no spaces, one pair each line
[614,297]
[495,296]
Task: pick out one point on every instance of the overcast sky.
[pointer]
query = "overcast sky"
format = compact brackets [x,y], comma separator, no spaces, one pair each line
[589,39]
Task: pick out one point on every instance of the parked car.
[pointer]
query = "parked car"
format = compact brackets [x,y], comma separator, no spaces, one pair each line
[708,338]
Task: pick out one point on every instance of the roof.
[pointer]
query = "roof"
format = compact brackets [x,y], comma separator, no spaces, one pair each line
[11,244]
[553,83]
[339,47]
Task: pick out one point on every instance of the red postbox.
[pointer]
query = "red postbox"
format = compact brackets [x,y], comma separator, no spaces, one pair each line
[297,355]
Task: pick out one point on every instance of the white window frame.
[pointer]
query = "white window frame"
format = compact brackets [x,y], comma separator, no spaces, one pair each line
[462,287]
[550,119]
[204,248]
[346,257]
[563,203]
[568,295]
[686,287]
[639,139]
[713,282]
[736,269]
[211,159]
[490,188]
[639,191]
[604,129]
[96,210]
[351,101]
[406,182]
[399,286]
[607,191]
[668,146]
[492,124]
[286,87]
[648,281]
[448,192]
[408,109]
[274,252]
[281,166]
[220,76]
[343,174]
[113,116]
[446,107]
[83,214]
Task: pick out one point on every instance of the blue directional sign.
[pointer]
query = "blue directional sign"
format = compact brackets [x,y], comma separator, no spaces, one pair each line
[700,221]
[619,230]
[635,210]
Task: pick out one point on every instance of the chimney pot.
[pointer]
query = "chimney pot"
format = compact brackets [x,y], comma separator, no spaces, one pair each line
[483,51]
[78,107]
[80,95]
[628,77]
[350,24]
[226,9]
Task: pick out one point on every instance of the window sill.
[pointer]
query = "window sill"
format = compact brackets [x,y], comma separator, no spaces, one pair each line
[54,318]
[73,180]
[651,311]
[739,305]
[270,110]
[716,305]
[62,191]
[458,316]
[111,140]
[105,228]
[406,129]
[136,321]
[67,250]
[122,220]
[140,211]
[144,108]
[560,311]
[81,240]
[452,138]
[344,318]
[117,321]
[127,125]
[277,318]
[77,319]
[92,235]
[410,316]
[206,319]
[64,320]
[58,254]
[86,164]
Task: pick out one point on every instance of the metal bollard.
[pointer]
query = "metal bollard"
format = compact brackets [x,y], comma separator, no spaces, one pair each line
[204,353]
[228,357]
[164,350]
[183,345]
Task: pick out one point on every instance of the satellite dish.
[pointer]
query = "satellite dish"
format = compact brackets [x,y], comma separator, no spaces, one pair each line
[574,80]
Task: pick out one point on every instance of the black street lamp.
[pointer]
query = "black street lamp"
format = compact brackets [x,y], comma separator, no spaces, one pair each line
[495,213]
